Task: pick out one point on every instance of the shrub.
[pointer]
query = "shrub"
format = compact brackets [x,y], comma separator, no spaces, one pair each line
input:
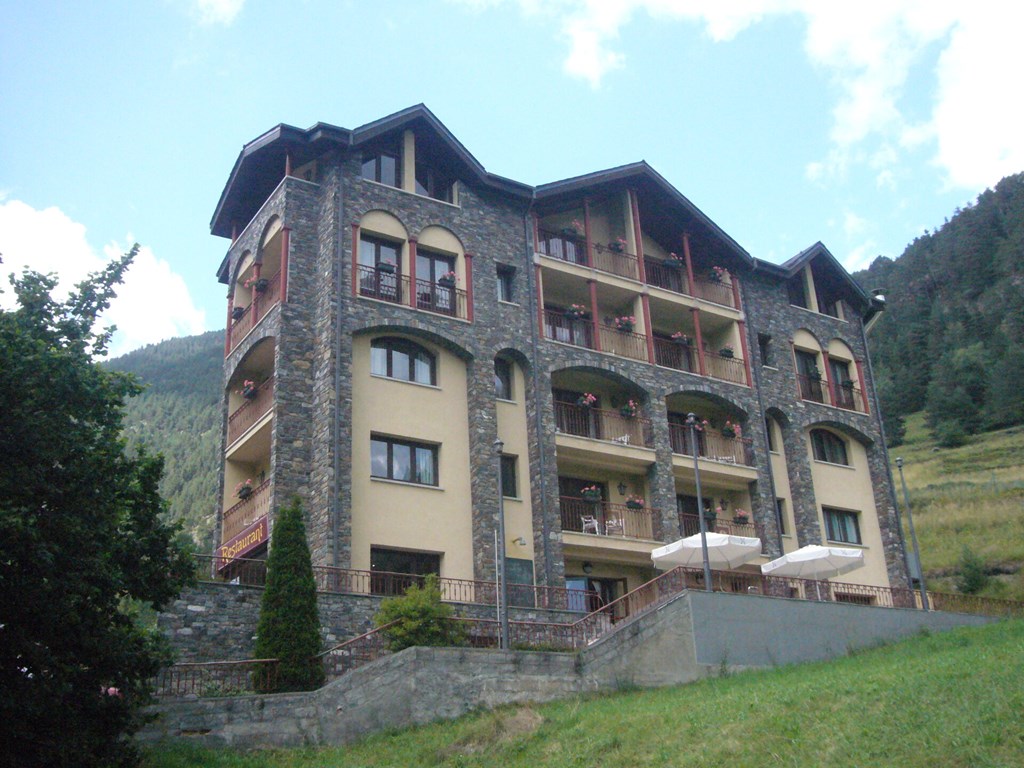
[971,577]
[422,618]
[289,623]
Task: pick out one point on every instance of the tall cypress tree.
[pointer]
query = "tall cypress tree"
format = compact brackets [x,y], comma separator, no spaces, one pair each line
[289,624]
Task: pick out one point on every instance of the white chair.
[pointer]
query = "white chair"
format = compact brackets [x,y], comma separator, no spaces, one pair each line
[590,524]
[614,527]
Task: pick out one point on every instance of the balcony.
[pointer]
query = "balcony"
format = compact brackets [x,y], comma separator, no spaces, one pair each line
[671,275]
[598,424]
[246,512]
[568,330]
[725,368]
[604,518]
[572,248]
[811,388]
[849,398]
[623,343]
[671,354]
[711,445]
[435,297]
[251,411]
[262,302]
[734,527]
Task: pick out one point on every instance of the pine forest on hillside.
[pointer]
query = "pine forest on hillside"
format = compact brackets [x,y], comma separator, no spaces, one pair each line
[179,415]
[951,341]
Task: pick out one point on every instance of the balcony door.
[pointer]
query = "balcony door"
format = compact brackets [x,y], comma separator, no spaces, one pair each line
[434,291]
[380,268]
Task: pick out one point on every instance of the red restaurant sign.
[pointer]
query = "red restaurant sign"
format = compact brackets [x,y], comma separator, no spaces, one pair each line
[243,543]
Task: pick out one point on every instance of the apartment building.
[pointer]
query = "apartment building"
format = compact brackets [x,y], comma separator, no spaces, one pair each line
[394,309]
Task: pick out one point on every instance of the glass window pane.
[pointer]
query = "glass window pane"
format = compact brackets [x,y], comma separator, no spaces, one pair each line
[389,170]
[379,361]
[401,462]
[399,365]
[378,458]
[422,369]
[370,169]
[367,253]
[425,466]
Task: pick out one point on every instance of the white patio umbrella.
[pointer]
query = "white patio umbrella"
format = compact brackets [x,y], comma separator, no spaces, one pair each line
[815,562]
[724,551]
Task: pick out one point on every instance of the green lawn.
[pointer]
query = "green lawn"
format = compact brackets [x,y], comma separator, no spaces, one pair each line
[951,699]
[971,495]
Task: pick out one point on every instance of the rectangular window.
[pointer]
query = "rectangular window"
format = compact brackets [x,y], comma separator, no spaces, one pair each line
[395,570]
[383,167]
[403,460]
[780,515]
[506,283]
[433,183]
[797,290]
[769,428]
[764,346]
[841,526]
[509,484]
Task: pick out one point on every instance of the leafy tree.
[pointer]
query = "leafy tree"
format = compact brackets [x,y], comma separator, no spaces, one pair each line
[289,624]
[422,618]
[81,535]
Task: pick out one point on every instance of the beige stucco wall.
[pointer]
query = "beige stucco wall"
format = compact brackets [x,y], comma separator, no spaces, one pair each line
[403,515]
[849,488]
[782,490]
[512,430]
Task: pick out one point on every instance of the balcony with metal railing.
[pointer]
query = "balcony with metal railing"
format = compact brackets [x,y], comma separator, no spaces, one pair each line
[604,518]
[253,409]
[671,275]
[598,424]
[249,508]
[262,302]
[438,297]
[811,388]
[571,248]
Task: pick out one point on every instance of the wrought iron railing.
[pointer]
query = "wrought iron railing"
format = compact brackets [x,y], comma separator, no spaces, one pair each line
[734,526]
[725,368]
[604,518]
[811,388]
[568,329]
[598,424]
[251,572]
[251,411]
[711,445]
[246,512]
[216,678]
[263,303]
[564,246]
[848,397]
[669,274]
[672,354]
[623,343]
[718,293]
[437,296]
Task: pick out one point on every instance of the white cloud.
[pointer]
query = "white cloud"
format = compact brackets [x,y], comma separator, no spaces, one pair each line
[209,12]
[152,304]
[853,224]
[870,52]
[860,257]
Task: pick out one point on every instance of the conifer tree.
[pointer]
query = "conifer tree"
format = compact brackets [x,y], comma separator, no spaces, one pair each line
[289,623]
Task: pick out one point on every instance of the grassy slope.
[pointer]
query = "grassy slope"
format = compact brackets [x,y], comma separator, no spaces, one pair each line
[953,699]
[972,495]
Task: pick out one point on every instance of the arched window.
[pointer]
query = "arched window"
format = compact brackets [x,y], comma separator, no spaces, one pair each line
[827,446]
[502,379]
[403,360]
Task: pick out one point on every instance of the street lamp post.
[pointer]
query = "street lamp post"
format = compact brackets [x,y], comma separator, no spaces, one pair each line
[499,446]
[691,422]
[913,537]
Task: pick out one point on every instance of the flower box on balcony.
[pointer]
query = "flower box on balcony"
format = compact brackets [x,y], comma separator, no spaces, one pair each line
[591,494]
[618,245]
[635,503]
[674,262]
[244,489]
[386,267]
[626,323]
[259,285]
[629,410]
[237,312]
[681,339]
[248,390]
[726,352]
[577,312]
[587,400]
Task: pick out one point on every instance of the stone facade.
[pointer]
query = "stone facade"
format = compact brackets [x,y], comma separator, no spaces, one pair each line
[315,323]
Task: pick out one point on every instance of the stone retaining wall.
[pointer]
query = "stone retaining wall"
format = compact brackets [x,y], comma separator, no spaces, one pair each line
[692,636]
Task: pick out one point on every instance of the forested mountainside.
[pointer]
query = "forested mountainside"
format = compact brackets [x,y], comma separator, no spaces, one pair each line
[951,341]
[179,416]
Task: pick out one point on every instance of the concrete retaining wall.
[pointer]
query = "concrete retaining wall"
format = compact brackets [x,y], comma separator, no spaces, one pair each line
[688,638]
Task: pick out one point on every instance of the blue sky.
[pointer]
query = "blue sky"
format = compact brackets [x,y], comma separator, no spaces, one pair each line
[785,121]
